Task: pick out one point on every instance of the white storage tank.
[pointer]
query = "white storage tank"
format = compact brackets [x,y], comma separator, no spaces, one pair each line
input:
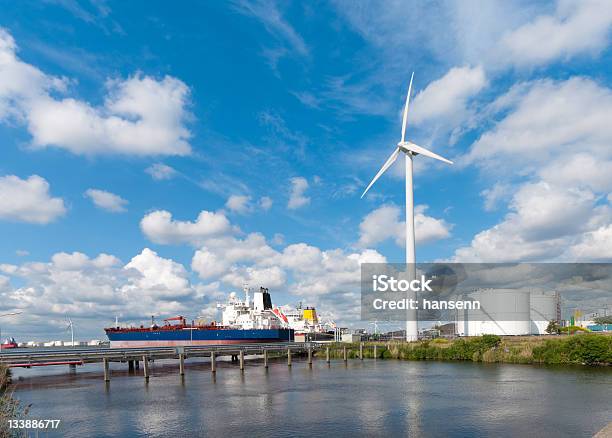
[502,312]
[351,337]
[543,309]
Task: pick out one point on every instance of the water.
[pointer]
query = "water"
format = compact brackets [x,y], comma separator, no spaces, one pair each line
[369,398]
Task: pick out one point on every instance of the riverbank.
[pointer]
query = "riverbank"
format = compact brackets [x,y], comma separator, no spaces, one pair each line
[10,408]
[581,349]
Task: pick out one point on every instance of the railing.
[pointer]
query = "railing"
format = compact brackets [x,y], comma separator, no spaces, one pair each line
[122,354]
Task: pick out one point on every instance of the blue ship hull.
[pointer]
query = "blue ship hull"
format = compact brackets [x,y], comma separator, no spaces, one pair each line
[183,337]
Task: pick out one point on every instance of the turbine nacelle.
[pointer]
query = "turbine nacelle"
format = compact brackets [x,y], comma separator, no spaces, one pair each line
[405,146]
[414,149]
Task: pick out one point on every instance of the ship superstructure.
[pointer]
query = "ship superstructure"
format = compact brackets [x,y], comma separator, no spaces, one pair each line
[247,314]
[306,323]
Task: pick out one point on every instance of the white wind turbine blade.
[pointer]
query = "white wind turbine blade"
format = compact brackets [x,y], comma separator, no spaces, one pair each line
[405,119]
[409,146]
[382,170]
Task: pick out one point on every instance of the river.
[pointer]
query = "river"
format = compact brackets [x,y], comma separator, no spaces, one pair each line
[362,398]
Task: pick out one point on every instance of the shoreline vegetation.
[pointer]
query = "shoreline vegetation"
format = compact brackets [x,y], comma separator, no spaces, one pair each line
[579,349]
[10,408]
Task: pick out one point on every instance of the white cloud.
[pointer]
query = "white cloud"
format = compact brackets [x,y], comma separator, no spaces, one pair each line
[494,195]
[159,227]
[545,120]
[306,271]
[595,245]
[243,204]
[230,250]
[448,96]
[272,276]
[265,202]
[327,277]
[384,223]
[77,260]
[278,239]
[545,221]
[140,115]
[106,200]
[449,33]
[271,17]
[552,149]
[334,274]
[161,171]
[93,290]
[5,285]
[583,170]
[576,27]
[160,277]
[239,204]
[28,200]
[297,199]
[208,265]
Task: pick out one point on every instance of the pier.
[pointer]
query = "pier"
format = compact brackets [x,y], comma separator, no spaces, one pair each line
[133,356]
[140,358]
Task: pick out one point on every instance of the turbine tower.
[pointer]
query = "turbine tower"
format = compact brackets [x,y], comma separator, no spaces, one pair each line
[70,327]
[410,150]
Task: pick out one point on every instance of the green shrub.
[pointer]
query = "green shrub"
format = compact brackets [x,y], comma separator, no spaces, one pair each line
[10,409]
[574,329]
[589,349]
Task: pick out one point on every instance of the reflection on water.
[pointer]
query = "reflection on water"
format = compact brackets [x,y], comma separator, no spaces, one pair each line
[364,398]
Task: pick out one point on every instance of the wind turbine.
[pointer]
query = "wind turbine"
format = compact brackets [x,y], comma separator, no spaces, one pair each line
[70,327]
[410,150]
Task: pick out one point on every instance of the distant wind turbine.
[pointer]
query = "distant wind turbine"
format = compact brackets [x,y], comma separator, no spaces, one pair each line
[70,327]
[410,150]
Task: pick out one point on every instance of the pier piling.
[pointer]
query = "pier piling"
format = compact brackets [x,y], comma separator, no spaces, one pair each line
[213,362]
[106,370]
[241,360]
[327,354]
[345,356]
[137,364]
[182,364]
[288,357]
[265,354]
[361,350]
[375,355]
[310,356]
[130,366]
[145,362]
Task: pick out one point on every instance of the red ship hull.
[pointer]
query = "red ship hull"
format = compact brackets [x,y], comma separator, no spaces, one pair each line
[8,346]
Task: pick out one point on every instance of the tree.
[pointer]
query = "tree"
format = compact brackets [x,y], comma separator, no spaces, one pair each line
[553,328]
[603,319]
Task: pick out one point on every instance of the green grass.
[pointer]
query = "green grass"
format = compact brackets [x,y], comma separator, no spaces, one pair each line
[582,349]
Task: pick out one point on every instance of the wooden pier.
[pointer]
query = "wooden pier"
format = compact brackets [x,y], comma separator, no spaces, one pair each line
[134,357]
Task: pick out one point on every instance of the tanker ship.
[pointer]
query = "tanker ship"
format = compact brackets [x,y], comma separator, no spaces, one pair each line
[243,322]
[306,323]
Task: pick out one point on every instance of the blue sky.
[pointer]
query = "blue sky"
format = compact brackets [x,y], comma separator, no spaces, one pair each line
[271,118]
